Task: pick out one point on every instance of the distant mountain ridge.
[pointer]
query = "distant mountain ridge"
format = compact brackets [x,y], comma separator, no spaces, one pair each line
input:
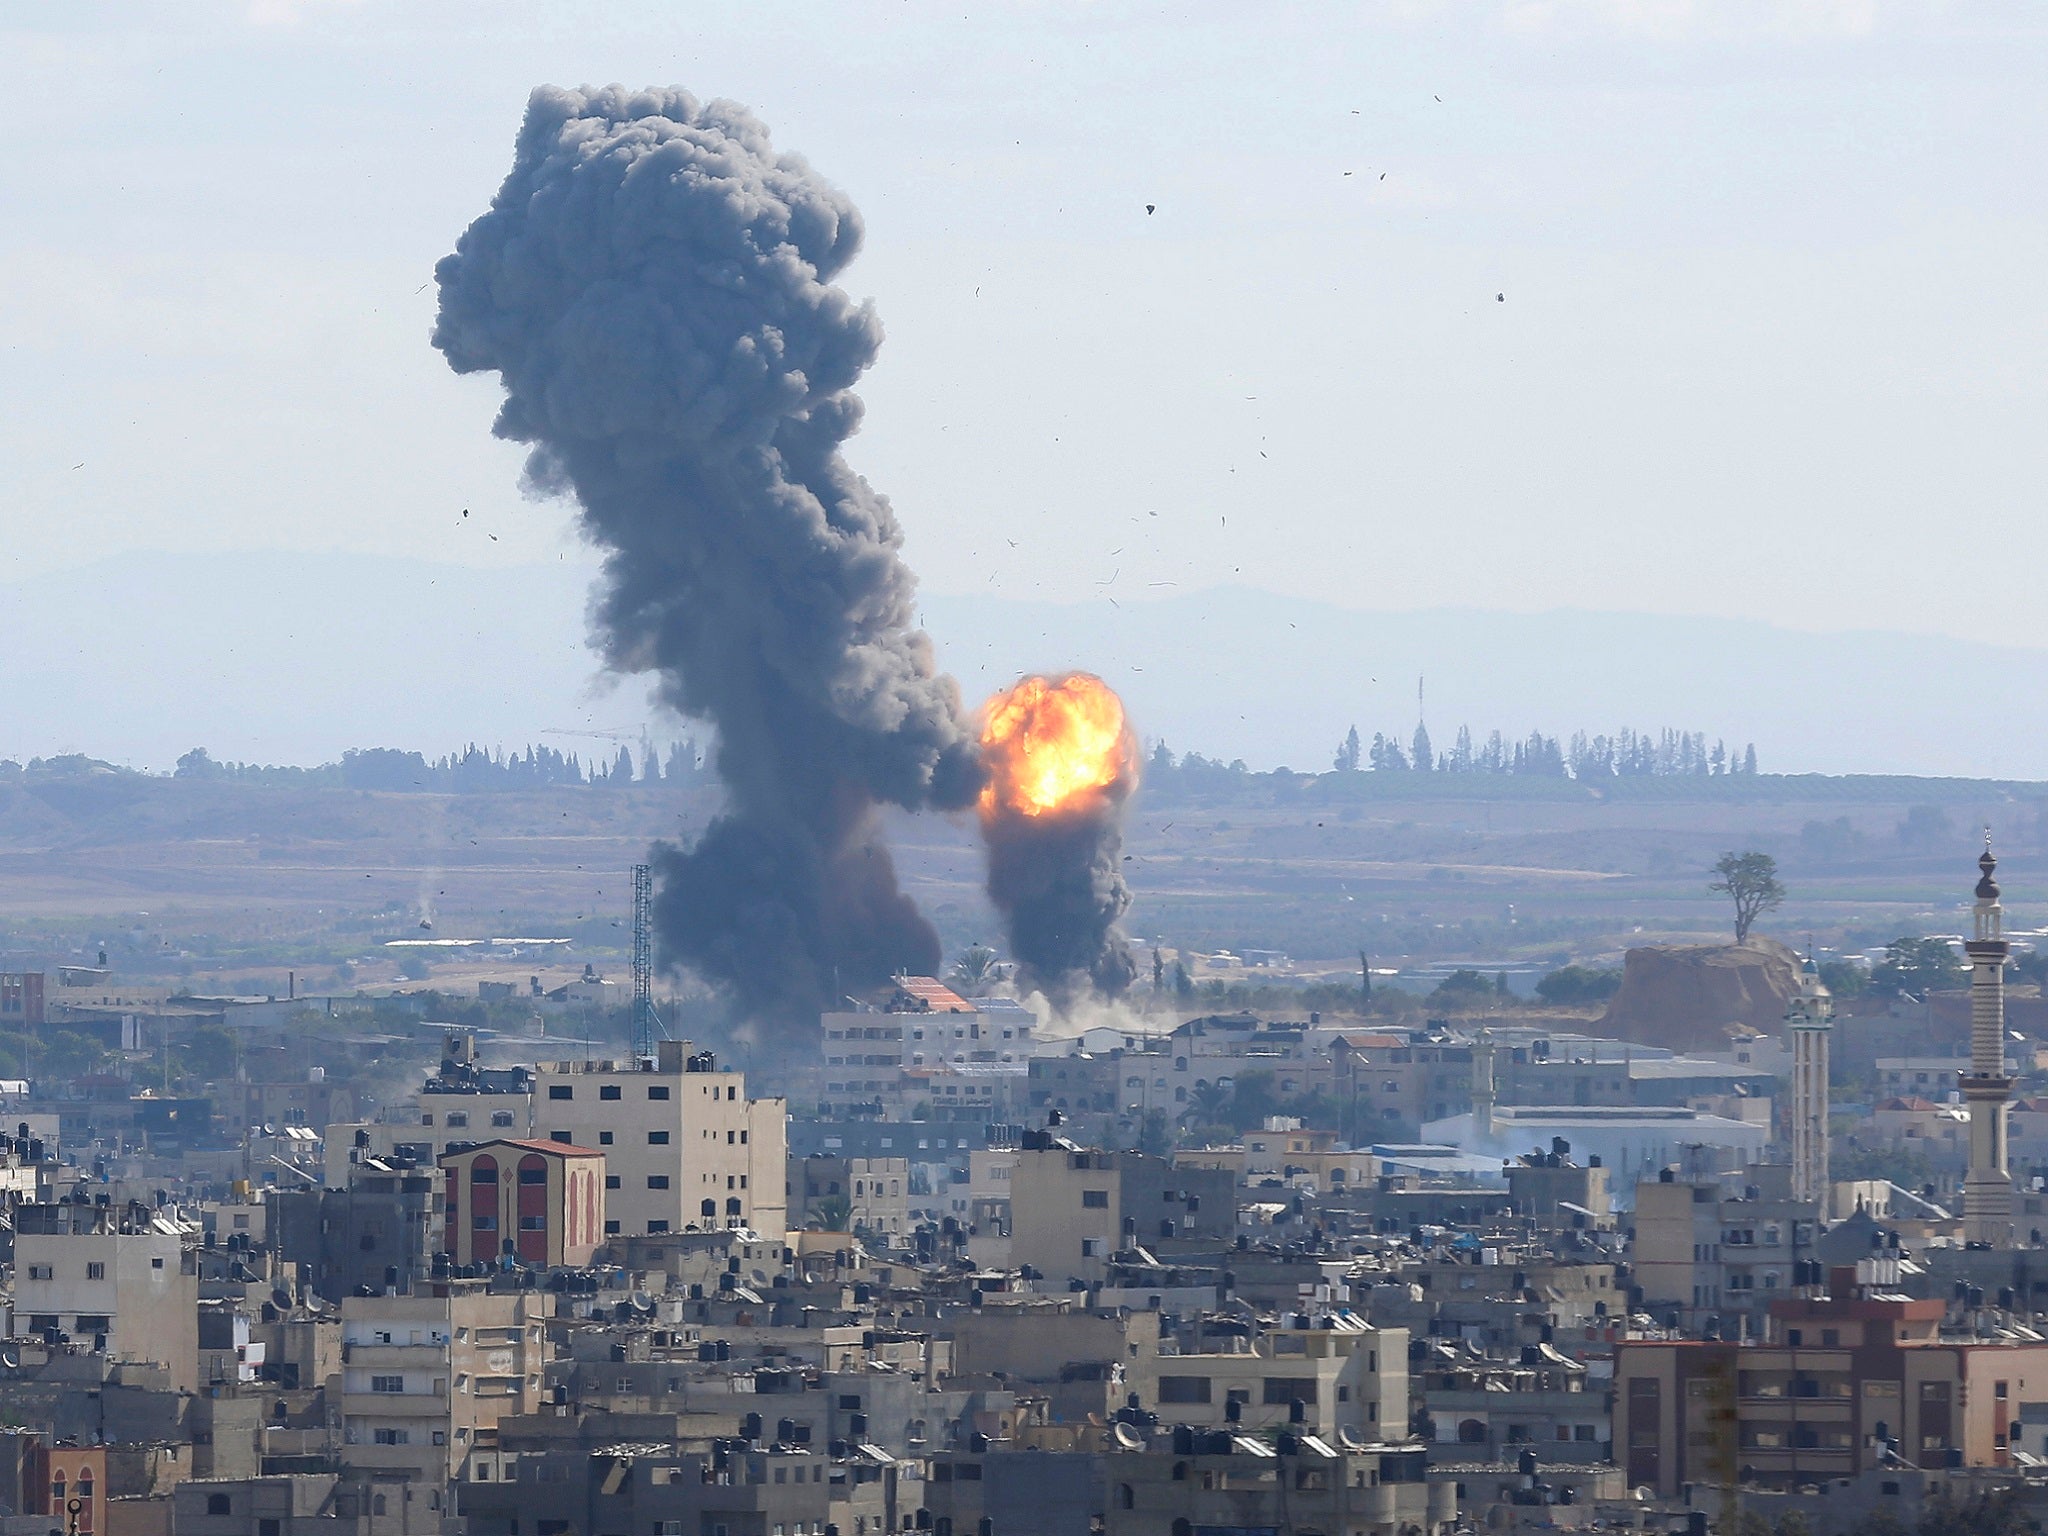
[295,658]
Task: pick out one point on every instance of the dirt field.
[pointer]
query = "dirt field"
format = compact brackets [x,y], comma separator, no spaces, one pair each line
[211,882]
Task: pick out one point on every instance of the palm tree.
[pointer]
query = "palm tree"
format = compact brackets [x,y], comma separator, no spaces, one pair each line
[1208,1103]
[832,1213]
[975,971]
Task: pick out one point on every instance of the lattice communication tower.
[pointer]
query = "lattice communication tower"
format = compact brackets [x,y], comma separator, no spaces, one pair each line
[646,1022]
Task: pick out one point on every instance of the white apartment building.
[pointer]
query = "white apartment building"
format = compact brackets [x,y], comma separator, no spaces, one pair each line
[121,1279]
[425,1379]
[685,1148]
[922,1023]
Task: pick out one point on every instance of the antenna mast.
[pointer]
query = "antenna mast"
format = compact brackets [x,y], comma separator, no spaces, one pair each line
[646,1023]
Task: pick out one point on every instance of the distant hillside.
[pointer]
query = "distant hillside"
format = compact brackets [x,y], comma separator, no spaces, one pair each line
[272,657]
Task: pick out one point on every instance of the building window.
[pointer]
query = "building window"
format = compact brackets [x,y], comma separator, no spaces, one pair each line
[561,1091]
[457,1119]
[533,1223]
[1183,1389]
[1095,1199]
[657,1138]
[604,1138]
[657,1090]
[609,1091]
[657,1181]
[95,1271]
[217,1504]
[533,1175]
[391,1437]
[387,1383]
[501,1117]
[562,1136]
[611,1229]
[611,1181]
[654,1227]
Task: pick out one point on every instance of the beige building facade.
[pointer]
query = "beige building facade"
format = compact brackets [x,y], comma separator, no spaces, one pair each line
[685,1148]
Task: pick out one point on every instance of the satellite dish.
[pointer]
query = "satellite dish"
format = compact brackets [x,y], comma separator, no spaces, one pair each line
[1350,1438]
[642,1302]
[1129,1438]
[1645,1494]
[283,1297]
[11,1360]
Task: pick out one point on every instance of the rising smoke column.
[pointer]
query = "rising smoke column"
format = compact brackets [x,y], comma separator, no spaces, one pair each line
[653,284]
[1061,762]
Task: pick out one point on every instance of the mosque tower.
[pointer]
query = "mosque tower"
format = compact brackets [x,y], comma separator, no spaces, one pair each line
[1809,1019]
[1987,1188]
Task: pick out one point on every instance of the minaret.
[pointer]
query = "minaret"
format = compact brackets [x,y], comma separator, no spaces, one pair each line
[1987,1188]
[1809,1019]
[1482,1088]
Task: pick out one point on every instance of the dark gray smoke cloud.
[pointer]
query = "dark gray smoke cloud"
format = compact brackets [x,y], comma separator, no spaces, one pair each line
[1059,883]
[654,285]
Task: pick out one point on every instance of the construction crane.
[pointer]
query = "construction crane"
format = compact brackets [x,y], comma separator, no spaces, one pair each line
[646,1022]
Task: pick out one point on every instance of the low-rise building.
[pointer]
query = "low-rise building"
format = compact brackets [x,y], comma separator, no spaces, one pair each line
[539,1202]
[1847,1378]
[1072,1208]
[119,1280]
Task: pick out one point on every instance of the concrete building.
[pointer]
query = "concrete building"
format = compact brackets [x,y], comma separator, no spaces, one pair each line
[120,1280]
[1987,1187]
[1631,1141]
[1329,1372]
[21,1000]
[1491,1410]
[540,1202]
[425,1378]
[687,1146]
[1846,1376]
[653,1487]
[302,1504]
[876,1191]
[1557,1194]
[1704,1251]
[314,1102]
[1390,1085]
[1071,1208]
[382,1230]
[1214,1481]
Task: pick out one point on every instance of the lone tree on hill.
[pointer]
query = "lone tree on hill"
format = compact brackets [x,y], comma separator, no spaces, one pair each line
[1752,880]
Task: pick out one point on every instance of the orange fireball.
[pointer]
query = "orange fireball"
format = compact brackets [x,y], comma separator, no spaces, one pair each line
[1052,744]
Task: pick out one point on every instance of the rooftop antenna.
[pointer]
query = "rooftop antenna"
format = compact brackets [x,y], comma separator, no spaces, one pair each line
[646,1022]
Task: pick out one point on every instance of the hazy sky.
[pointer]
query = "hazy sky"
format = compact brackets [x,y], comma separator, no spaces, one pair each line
[1771,342]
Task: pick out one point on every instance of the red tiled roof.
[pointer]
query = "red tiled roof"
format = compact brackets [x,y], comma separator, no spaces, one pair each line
[557,1148]
[930,990]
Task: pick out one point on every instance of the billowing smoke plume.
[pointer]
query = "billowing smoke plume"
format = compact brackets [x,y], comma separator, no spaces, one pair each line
[1061,762]
[654,285]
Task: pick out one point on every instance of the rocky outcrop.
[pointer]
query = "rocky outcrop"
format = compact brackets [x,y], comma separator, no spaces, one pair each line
[1687,996]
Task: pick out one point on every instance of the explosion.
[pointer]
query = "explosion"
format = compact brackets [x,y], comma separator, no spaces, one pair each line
[1051,745]
[1060,761]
